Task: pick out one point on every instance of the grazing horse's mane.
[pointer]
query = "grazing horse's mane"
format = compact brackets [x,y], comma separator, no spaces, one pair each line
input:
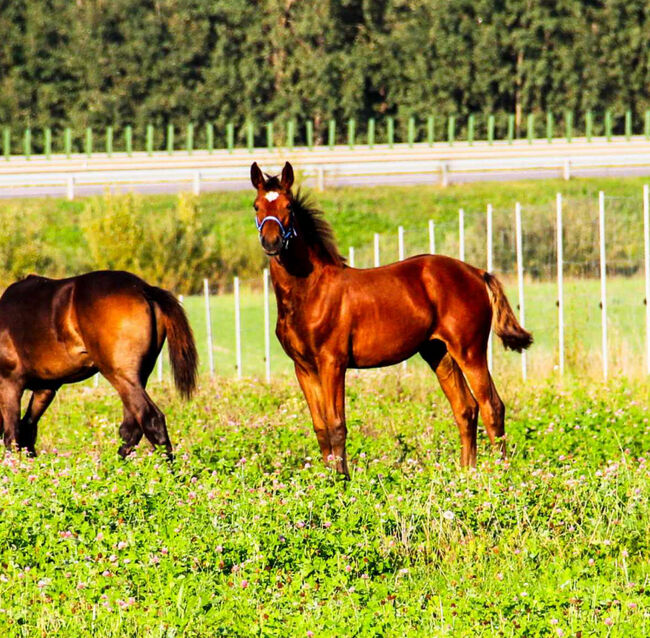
[314,228]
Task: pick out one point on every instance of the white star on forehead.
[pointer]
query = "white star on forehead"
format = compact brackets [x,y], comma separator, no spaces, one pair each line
[271,196]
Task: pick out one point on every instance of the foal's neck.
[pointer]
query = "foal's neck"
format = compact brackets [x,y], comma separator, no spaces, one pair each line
[298,265]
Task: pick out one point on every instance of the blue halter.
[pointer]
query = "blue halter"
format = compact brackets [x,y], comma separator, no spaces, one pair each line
[287,233]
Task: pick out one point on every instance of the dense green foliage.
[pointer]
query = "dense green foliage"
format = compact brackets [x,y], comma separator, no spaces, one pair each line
[176,241]
[248,533]
[94,63]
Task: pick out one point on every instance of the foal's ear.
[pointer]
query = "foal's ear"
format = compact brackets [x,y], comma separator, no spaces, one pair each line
[257,178]
[287,177]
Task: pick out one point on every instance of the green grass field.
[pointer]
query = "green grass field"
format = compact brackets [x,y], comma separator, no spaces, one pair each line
[247,533]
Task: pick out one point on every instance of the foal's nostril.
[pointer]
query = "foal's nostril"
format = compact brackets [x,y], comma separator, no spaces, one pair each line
[274,246]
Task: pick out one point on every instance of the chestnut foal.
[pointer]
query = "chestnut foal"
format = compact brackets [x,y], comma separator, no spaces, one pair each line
[332,317]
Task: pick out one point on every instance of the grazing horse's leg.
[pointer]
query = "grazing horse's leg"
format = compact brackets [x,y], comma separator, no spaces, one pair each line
[324,392]
[10,394]
[146,413]
[462,402]
[28,427]
[130,432]
[474,366]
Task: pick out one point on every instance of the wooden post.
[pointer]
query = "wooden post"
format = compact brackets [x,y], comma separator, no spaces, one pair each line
[603,278]
[560,281]
[267,326]
[646,235]
[208,324]
[520,280]
[237,328]
[461,234]
[489,268]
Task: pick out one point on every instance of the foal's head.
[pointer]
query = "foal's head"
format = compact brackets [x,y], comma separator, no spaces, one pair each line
[273,214]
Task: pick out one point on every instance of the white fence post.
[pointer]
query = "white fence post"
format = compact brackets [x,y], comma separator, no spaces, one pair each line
[267,327]
[208,324]
[237,328]
[646,234]
[320,179]
[432,237]
[520,281]
[489,269]
[400,242]
[351,257]
[566,172]
[376,250]
[560,282]
[70,187]
[603,277]
[196,183]
[461,234]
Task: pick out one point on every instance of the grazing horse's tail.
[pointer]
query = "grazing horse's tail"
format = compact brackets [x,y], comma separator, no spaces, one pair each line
[182,349]
[504,322]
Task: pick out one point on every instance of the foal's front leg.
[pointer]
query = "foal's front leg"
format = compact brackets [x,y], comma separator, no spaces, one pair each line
[324,391]
[10,394]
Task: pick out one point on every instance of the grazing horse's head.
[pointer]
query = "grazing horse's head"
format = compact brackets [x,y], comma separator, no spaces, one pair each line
[273,215]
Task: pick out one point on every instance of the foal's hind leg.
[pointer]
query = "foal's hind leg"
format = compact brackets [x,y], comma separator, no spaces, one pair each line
[130,432]
[28,427]
[474,366]
[146,413]
[462,402]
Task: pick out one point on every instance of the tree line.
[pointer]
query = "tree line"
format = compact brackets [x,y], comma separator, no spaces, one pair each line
[95,63]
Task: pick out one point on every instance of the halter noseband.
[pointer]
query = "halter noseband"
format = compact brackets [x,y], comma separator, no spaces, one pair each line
[287,233]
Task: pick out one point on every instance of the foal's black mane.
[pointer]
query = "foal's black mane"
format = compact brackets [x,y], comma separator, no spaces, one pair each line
[313,226]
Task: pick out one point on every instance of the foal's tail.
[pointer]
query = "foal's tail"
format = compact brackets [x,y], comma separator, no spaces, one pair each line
[504,322]
[182,349]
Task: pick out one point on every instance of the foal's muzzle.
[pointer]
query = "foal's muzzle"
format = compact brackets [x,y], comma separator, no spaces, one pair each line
[285,235]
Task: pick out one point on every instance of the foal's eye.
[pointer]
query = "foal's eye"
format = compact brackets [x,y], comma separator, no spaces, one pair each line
[255,206]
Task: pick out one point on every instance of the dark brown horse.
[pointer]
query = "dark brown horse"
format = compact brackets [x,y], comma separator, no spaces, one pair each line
[332,317]
[61,331]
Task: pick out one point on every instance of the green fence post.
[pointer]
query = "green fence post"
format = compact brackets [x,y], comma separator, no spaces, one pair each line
[89,141]
[310,135]
[390,130]
[628,125]
[250,136]
[608,125]
[109,141]
[451,129]
[230,136]
[6,142]
[27,143]
[431,130]
[290,134]
[170,139]
[67,141]
[549,126]
[269,136]
[128,134]
[209,136]
[149,139]
[411,131]
[647,124]
[530,127]
[511,128]
[568,121]
[331,134]
[351,132]
[371,132]
[589,125]
[470,129]
[48,143]
[490,129]
[190,138]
